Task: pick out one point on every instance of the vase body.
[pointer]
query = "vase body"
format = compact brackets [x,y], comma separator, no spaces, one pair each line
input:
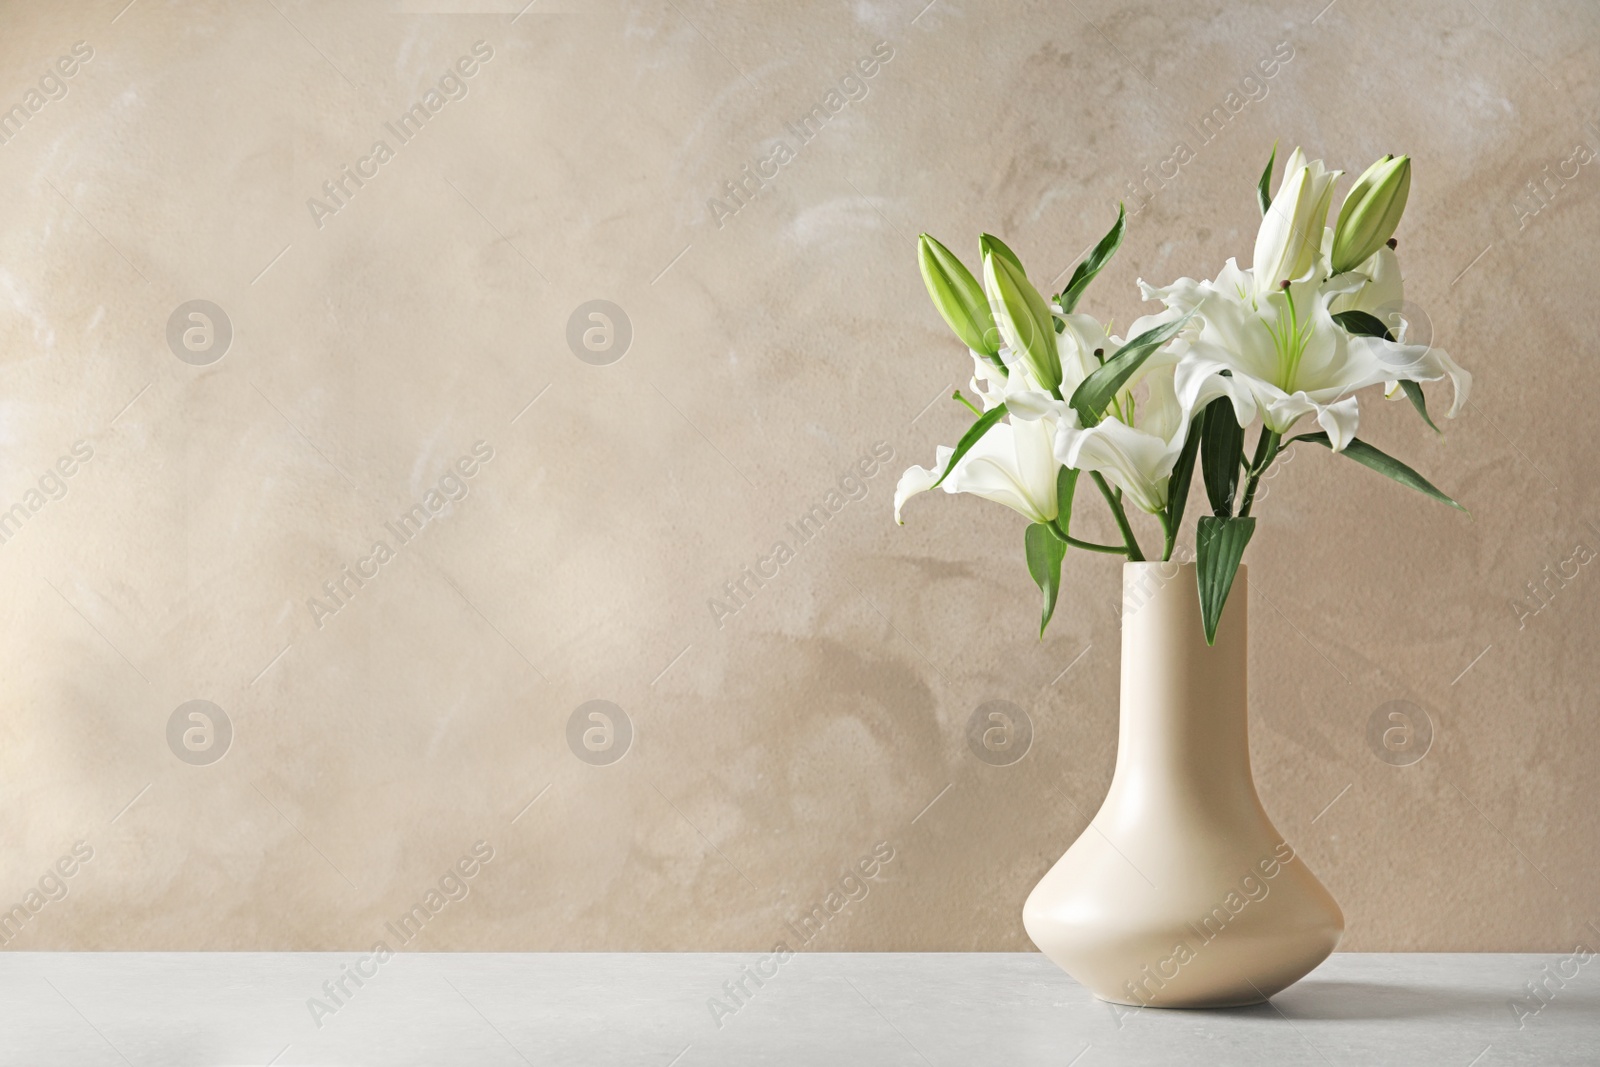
[1181,893]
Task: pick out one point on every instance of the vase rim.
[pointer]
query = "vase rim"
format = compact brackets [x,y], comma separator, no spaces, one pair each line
[1170,566]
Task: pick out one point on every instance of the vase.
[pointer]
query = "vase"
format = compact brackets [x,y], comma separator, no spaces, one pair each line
[1180,893]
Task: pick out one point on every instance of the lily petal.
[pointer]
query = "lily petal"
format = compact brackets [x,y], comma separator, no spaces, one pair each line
[1339,420]
[1013,464]
[919,480]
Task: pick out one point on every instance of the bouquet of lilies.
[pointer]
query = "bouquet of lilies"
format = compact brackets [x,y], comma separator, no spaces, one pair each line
[1312,321]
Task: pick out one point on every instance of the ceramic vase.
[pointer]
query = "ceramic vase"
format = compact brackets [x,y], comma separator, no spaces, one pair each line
[1181,893]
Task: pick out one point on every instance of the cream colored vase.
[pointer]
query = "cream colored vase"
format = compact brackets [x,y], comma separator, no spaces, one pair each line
[1181,894]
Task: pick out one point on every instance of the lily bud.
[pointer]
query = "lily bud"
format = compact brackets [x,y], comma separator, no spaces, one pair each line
[957,295]
[1023,317]
[988,243]
[1371,212]
[1291,231]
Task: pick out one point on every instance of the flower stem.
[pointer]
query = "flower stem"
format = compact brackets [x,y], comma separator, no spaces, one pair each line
[1115,550]
[1088,546]
[1266,452]
[1135,555]
[1169,533]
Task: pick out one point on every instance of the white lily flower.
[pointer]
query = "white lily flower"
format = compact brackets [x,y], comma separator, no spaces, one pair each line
[1137,443]
[1291,235]
[1083,337]
[1382,289]
[1286,356]
[1017,387]
[1013,464]
[989,382]
[1382,294]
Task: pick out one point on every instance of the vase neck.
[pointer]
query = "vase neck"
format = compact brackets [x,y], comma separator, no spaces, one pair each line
[1184,723]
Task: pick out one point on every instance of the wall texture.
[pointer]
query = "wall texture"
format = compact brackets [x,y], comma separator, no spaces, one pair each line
[412,338]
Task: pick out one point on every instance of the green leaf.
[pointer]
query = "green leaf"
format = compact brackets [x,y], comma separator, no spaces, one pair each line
[1362,324]
[1093,395]
[989,244]
[1066,485]
[1221,454]
[1094,261]
[973,435]
[1264,186]
[1045,550]
[1182,474]
[1419,401]
[1219,545]
[1384,464]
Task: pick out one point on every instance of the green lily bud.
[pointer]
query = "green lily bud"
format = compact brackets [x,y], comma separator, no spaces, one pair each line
[988,243]
[1023,317]
[957,295]
[1371,212]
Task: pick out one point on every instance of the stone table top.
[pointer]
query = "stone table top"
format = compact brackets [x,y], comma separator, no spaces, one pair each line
[826,1009]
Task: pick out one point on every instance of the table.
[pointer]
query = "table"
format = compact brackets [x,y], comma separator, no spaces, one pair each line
[688,1010]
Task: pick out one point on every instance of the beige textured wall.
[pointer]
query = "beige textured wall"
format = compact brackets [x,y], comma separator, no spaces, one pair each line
[772,349]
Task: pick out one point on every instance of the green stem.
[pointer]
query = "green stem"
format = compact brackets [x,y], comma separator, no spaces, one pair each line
[1135,555]
[1266,452]
[1089,546]
[1115,550]
[1169,534]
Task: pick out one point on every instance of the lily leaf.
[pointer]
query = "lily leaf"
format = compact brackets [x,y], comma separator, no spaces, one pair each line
[1182,474]
[1420,402]
[1219,545]
[1094,261]
[1264,186]
[1066,485]
[973,435]
[1363,324]
[1045,551]
[1221,453]
[1093,395]
[1384,464]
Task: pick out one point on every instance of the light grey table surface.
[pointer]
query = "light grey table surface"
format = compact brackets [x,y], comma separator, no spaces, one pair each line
[818,1009]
